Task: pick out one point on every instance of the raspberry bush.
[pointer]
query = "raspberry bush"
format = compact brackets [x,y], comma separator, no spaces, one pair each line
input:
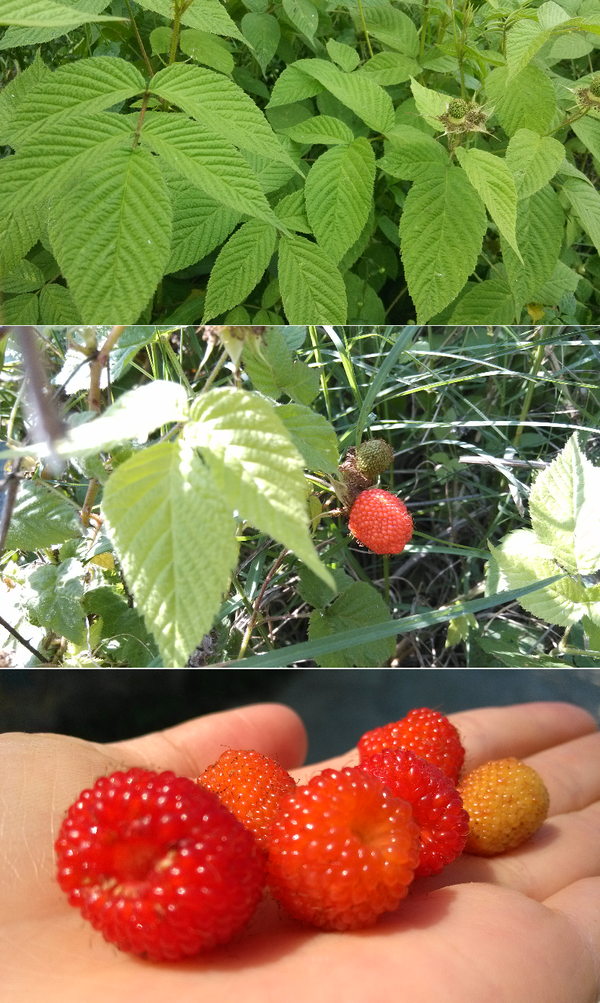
[183,161]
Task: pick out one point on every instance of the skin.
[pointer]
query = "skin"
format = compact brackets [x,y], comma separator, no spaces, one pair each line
[520,928]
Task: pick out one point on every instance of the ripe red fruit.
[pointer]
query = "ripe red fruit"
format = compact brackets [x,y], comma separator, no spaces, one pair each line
[158,864]
[381,521]
[436,804]
[342,850]
[251,786]
[427,732]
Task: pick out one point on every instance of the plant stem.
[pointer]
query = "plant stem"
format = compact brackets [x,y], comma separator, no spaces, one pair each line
[364,24]
[256,610]
[98,365]
[537,361]
[139,40]
[179,9]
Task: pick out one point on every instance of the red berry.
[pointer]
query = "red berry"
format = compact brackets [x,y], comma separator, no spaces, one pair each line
[426,732]
[342,850]
[381,521]
[436,804]
[158,864]
[251,786]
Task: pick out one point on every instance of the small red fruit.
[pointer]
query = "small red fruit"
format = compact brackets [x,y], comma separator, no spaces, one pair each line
[251,786]
[381,521]
[158,864]
[437,807]
[427,732]
[342,850]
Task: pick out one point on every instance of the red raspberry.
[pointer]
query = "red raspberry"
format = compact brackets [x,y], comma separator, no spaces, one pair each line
[426,732]
[342,850]
[436,804]
[251,786]
[381,521]
[158,864]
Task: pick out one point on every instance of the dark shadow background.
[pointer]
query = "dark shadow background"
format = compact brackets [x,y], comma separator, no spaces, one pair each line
[337,705]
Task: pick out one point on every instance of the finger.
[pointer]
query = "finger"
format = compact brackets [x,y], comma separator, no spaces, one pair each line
[571,773]
[188,748]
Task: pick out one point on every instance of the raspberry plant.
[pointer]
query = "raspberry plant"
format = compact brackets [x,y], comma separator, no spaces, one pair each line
[176,161]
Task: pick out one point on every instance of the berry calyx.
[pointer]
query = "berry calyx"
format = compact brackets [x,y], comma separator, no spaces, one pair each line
[594,87]
[380,521]
[424,731]
[507,802]
[437,807]
[342,850]
[251,786]
[158,864]
[373,457]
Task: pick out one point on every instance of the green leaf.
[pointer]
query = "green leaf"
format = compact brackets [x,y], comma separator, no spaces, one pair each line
[89,85]
[23,309]
[269,365]
[533,160]
[562,281]
[239,267]
[586,203]
[410,154]
[494,182]
[304,384]
[338,194]
[25,278]
[56,603]
[129,642]
[133,415]
[293,85]
[391,26]
[366,99]
[323,129]
[206,15]
[205,48]
[14,37]
[488,302]
[312,288]
[272,174]
[263,33]
[430,104]
[164,514]
[527,101]
[256,467]
[57,306]
[291,211]
[303,14]
[200,223]
[208,162]
[587,129]
[41,518]
[441,232]
[313,436]
[219,105]
[47,14]
[563,505]
[358,605]
[112,235]
[389,68]
[314,592]
[540,224]
[344,55]
[523,40]
[15,90]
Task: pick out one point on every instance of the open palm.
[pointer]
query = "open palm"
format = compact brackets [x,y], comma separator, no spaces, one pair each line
[520,928]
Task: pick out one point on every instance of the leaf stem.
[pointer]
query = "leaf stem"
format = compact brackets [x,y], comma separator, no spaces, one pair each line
[364,24]
[139,40]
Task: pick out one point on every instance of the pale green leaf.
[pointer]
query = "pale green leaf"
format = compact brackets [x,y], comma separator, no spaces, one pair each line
[313,436]
[366,99]
[338,194]
[389,68]
[410,154]
[269,363]
[19,231]
[586,204]
[312,288]
[56,600]
[303,14]
[293,85]
[527,101]
[441,232]
[272,174]
[533,160]
[111,236]
[540,225]
[488,302]
[563,505]
[206,48]
[304,384]
[494,182]
[15,90]
[14,37]
[551,14]
[263,33]
[88,85]
[41,518]
[358,605]
[200,223]
[239,267]
[206,15]
[587,129]
[430,104]
[344,55]
[523,40]
[219,105]
[322,129]
[46,14]
[57,306]
[391,26]
[175,538]
[209,162]
[562,281]
[256,467]
[291,211]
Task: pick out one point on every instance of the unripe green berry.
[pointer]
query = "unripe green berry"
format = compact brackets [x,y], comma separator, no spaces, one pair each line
[594,87]
[373,457]
[457,109]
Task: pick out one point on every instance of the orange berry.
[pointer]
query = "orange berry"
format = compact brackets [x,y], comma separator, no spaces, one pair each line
[506,802]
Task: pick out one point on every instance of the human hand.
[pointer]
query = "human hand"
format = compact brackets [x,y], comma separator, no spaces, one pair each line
[523,927]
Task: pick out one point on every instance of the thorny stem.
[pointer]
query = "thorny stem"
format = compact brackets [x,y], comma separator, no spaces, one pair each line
[90,497]
[136,138]
[98,365]
[139,40]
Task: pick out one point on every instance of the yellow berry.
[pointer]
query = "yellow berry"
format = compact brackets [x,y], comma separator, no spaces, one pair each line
[506,802]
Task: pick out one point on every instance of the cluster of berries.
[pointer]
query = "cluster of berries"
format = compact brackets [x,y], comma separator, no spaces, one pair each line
[377,518]
[167,867]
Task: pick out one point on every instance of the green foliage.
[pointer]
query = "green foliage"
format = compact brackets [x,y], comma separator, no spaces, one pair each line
[145,149]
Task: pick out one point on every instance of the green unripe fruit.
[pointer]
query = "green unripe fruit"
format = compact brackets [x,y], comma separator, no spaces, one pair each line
[457,109]
[594,87]
[373,457]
